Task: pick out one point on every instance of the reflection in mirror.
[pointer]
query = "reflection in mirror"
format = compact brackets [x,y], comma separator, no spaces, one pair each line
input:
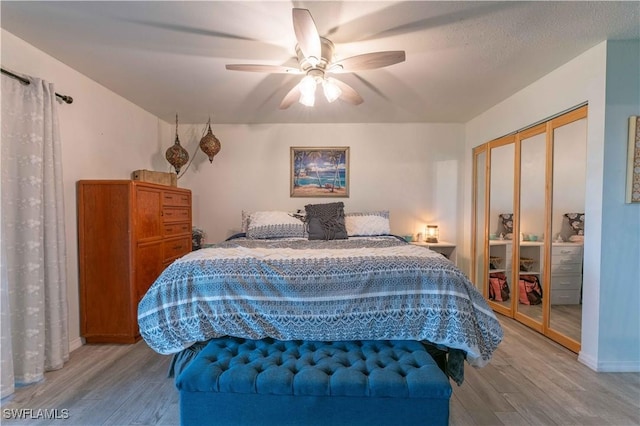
[532,223]
[500,288]
[479,218]
[569,177]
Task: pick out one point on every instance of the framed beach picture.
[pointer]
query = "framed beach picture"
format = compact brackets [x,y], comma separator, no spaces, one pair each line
[319,172]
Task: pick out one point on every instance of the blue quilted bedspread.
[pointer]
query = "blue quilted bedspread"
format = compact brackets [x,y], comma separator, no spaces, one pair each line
[368,288]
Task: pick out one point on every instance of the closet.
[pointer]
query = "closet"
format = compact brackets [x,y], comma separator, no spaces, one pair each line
[528,224]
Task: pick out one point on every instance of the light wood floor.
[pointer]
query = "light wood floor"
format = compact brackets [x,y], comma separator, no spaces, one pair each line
[530,381]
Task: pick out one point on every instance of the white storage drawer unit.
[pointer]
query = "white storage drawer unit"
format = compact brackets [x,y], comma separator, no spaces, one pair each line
[566,273]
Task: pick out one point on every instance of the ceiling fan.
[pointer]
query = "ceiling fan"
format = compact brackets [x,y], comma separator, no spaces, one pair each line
[315,60]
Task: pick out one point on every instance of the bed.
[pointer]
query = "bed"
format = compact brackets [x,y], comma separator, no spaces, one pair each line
[263,284]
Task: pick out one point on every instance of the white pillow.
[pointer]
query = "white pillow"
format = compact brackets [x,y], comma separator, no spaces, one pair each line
[274,224]
[367,224]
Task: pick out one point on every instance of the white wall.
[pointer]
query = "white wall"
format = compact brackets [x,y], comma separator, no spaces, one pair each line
[412,170]
[103,137]
[610,328]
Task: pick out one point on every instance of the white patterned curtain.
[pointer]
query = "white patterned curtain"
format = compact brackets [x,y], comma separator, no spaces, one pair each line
[33,271]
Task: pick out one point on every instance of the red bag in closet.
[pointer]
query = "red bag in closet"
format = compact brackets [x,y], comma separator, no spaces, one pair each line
[498,287]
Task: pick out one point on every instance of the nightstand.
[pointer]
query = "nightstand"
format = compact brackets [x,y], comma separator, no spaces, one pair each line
[446,249]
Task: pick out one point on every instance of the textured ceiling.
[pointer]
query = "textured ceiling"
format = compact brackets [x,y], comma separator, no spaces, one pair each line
[462,57]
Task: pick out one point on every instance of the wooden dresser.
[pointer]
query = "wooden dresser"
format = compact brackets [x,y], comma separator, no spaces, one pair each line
[128,232]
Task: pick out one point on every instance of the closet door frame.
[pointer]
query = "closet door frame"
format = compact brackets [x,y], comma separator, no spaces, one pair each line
[482,285]
[547,127]
[562,120]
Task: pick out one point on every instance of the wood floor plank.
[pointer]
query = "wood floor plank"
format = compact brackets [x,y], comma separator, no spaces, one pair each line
[530,381]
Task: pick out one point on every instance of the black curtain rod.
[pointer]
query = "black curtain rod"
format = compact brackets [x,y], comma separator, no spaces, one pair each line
[65,98]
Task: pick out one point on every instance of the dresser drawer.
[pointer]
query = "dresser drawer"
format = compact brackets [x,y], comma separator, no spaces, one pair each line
[171,229]
[176,199]
[566,254]
[176,247]
[176,214]
[565,297]
[566,282]
[560,260]
[566,269]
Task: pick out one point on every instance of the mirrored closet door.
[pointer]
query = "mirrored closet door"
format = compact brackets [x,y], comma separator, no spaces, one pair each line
[500,221]
[528,224]
[568,182]
[530,220]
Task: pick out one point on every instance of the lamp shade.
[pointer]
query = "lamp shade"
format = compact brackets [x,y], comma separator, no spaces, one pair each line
[307,91]
[176,155]
[331,89]
[431,233]
[209,144]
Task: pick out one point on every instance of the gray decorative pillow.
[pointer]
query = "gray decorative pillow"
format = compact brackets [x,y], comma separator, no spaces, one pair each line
[274,224]
[576,222]
[326,221]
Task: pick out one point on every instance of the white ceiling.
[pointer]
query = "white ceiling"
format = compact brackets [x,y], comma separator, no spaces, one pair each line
[462,57]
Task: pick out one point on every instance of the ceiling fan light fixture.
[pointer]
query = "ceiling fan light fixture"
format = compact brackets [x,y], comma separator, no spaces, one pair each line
[313,61]
[331,90]
[315,55]
[308,91]
[307,100]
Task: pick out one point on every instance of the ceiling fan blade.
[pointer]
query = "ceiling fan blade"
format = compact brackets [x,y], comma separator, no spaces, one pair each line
[349,94]
[368,61]
[273,69]
[306,33]
[291,97]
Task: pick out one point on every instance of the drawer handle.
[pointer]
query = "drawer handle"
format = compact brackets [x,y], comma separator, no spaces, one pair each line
[177,247]
[566,251]
[169,214]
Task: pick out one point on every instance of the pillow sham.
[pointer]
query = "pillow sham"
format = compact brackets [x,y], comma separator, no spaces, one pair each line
[274,224]
[367,223]
[326,221]
[576,222]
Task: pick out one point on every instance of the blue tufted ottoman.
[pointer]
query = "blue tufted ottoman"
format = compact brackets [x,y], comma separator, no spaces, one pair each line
[235,381]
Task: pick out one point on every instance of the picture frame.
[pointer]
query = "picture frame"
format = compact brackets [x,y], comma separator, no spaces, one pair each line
[633,161]
[319,171]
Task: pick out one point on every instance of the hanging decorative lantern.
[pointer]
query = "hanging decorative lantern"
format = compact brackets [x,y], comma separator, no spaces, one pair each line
[176,155]
[209,144]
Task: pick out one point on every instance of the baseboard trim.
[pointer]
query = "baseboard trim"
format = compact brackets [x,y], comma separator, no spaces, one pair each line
[610,366]
[75,344]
